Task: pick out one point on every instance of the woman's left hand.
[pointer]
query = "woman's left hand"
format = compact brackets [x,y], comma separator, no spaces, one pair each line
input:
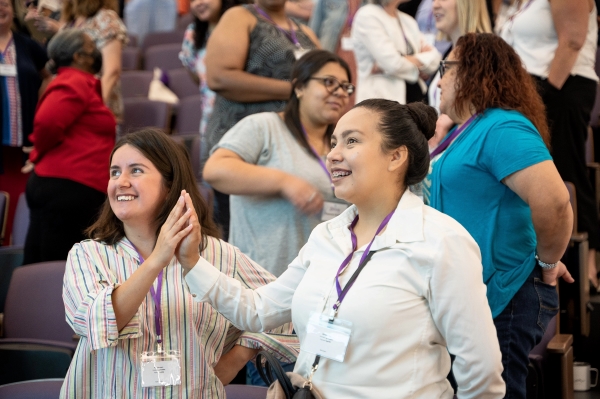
[560,271]
[187,252]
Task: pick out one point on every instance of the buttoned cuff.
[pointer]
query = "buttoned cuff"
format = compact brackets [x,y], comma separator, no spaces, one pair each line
[201,279]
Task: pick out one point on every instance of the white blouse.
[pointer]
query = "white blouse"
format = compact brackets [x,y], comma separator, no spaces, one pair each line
[421,296]
[530,31]
[380,39]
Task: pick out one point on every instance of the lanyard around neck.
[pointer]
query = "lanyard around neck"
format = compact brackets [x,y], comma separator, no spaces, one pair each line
[316,154]
[156,297]
[292,33]
[3,52]
[363,261]
[446,143]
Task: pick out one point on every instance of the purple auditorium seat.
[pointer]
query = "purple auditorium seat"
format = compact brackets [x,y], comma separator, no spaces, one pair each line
[135,83]
[163,56]
[130,59]
[181,83]
[234,391]
[37,341]
[34,389]
[189,113]
[141,112]
[165,37]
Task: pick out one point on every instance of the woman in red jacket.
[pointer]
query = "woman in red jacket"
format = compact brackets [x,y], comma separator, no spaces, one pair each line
[73,135]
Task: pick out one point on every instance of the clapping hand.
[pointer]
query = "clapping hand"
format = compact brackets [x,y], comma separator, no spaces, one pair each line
[172,232]
[188,250]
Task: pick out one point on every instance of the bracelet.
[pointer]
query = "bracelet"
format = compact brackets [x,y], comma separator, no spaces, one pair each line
[544,265]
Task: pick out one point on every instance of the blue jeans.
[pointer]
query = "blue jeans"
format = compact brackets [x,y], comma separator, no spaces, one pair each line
[253,378]
[521,326]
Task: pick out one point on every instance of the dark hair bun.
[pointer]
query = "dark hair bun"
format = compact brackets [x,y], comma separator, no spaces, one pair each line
[425,118]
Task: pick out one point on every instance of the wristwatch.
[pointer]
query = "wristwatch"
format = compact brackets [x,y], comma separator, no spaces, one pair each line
[544,265]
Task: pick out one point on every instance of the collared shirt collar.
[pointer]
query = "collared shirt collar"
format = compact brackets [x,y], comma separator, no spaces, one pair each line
[128,247]
[406,225]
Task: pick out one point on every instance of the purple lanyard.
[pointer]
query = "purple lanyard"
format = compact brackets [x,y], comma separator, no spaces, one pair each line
[365,256]
[440,148]
[291,36]
[156,298]
[323,166]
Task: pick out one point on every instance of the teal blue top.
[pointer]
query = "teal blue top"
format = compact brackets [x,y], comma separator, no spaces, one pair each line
[466,184]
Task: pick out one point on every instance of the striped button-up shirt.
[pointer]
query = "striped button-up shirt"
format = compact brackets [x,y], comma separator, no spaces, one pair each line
[107,361]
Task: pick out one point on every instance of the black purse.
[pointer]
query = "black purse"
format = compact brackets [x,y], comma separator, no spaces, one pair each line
[271,372]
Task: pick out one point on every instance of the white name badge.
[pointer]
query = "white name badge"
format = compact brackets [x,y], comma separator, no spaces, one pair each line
[162,369]
[332,209]
[299,52]
[347,44]
[8,70]
[327,339]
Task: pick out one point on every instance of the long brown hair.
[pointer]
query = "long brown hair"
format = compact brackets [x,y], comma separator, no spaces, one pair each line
[87,8]
[173,162]
[490,74]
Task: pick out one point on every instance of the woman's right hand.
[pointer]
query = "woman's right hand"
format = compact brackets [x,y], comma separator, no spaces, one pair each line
[175,228]
[302,195]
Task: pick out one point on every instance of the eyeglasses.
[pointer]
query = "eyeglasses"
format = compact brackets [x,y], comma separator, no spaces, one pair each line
[332,84]
[444,64]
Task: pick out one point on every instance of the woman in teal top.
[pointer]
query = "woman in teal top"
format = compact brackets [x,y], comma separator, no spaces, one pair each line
[496,177]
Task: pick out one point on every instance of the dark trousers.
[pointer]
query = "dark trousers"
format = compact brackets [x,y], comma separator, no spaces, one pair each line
[60,210]
[521,326]
[568,111]
[221,213]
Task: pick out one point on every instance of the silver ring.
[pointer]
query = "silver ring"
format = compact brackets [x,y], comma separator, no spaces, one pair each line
[312,197]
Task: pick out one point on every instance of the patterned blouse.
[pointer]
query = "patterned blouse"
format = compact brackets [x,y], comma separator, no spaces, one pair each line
[103,28]
[12,127]
[107,361]
[193,60]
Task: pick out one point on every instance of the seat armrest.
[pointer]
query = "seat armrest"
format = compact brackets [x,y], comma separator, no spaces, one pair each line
[32,343]
[560,343]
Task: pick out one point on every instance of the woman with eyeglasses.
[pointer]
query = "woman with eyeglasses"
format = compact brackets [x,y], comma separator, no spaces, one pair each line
[496,178]
[272,165]
[454,18]
[249,58]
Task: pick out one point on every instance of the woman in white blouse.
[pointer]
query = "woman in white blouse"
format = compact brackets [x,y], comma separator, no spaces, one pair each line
[392,55]
[420,296]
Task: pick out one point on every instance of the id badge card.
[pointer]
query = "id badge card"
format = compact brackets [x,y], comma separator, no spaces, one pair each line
[327,339]
[299,52]
[331,210]
[347,44]
[161,369]
[8,70]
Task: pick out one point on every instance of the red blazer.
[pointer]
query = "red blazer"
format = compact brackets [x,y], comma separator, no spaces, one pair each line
[73,131]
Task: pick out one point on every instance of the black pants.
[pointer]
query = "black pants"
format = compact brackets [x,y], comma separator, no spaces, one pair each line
[568,111]
[60,210]
[221,213]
